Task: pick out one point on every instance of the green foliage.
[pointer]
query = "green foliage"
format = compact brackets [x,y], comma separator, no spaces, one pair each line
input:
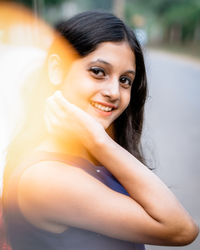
[170,14]
[32,2]
[90,4]
[101,4]
[183,15]
[186,15]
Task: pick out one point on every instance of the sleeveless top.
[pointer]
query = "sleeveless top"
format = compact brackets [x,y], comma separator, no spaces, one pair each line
[22,235]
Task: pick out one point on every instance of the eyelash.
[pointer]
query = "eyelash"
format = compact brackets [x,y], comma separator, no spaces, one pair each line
[95,71]
[126,78]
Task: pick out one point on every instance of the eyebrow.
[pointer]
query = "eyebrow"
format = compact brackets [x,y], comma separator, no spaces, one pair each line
[107,63]
[101,61]
[131,72]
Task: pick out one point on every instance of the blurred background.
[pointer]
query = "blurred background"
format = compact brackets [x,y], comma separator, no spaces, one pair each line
[166,24]
[169,32]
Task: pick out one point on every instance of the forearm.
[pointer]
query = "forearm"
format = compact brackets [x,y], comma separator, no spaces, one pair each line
[142,184]
[165,217]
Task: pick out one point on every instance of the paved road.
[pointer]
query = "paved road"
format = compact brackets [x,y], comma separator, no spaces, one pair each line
[172,130]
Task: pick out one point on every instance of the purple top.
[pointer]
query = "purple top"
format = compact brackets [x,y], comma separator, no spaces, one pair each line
[24,236]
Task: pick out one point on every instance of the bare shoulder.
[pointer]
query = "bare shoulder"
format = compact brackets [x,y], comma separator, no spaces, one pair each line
[53,191]
[47,177]
[54,196]
[49,173]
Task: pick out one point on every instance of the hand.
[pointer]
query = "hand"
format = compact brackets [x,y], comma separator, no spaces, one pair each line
[62,117]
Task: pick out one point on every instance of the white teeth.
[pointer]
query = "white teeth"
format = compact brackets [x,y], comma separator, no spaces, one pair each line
[101,107]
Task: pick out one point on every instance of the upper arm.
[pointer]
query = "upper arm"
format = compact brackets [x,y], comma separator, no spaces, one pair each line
[52,192]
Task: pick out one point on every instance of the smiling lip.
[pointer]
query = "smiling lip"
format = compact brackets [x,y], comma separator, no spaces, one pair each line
[106,104]
[102,112]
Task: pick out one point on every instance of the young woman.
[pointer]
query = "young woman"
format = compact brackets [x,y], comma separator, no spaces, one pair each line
[84,185]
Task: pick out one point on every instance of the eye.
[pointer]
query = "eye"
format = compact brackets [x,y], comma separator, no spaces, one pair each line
[126,81]
[97,72]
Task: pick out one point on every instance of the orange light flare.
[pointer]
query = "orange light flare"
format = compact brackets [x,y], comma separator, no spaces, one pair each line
[25,42]
[19,27]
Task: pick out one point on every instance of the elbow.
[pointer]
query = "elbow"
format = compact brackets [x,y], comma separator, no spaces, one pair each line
[184,235]
[188,235]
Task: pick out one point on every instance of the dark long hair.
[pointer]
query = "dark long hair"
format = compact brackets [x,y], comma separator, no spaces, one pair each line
[85,32]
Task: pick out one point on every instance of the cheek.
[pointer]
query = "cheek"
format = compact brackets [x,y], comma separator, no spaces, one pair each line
[125,100]
[78,91]
[69,90]
[126,97]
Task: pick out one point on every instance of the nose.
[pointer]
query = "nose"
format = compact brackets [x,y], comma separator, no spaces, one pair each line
[111,90]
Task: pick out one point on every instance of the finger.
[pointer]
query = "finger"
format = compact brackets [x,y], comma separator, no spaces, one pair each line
[52,106]
[47,123]
[62,101]
[52,122]
[56,127]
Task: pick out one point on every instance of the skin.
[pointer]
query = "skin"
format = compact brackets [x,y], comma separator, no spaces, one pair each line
[106,77]
[150,215]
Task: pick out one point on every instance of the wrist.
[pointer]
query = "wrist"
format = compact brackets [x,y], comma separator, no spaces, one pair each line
[102,144]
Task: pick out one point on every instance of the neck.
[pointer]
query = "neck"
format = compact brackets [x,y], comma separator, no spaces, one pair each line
[71,146]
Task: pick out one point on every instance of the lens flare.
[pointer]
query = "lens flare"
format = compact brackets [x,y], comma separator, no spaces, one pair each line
[26,42]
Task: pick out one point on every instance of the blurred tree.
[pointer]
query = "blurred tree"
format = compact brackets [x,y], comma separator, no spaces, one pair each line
[30,3]
[182,20]
[55,10]
[101,4]
[179,19]
[91,4]
[119,8]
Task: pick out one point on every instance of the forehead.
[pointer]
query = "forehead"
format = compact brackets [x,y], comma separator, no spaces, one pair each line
[115,53]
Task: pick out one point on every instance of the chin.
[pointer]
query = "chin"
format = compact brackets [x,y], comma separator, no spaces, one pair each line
[105,125]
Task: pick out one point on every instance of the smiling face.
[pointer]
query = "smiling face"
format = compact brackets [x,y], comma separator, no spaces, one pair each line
[100,83]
